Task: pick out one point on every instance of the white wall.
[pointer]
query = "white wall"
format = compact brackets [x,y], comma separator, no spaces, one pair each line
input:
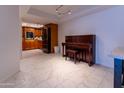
[9,41]
[108,26]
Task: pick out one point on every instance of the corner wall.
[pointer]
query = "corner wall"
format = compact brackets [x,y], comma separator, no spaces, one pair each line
[10,41]
[108,26]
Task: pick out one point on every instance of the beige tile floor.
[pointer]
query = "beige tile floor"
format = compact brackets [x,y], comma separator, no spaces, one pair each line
[39,70]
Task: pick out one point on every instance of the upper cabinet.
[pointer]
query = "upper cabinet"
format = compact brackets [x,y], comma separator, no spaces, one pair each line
[31,38]
[38,32]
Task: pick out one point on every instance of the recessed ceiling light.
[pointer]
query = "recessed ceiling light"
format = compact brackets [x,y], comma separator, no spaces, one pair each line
[69,13]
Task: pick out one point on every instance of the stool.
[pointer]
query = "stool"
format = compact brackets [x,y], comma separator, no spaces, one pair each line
[123,73]
[72,54]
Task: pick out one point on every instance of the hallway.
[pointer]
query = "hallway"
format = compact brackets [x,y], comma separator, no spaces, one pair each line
[49,70]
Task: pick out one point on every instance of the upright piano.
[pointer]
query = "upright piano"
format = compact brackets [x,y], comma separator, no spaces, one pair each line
[85,44]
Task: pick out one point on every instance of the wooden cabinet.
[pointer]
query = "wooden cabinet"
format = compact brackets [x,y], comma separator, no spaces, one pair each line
[50,37]
[54,36]
[38,32]
[32,43]
[39,44]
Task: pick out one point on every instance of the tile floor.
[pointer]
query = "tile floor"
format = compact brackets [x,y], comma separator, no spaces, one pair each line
[39,70]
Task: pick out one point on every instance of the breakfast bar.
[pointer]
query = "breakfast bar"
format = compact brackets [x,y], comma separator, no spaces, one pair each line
[118,55]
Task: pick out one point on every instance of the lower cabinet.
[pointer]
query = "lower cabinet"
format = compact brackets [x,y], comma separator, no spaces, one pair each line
[32,44]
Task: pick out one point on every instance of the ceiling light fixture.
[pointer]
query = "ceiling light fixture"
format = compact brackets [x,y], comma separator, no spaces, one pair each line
[69,12]
[62,13]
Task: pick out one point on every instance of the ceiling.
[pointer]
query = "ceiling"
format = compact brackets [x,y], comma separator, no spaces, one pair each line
[43,14]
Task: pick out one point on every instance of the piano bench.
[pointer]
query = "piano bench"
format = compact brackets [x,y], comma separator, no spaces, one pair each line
[71,54]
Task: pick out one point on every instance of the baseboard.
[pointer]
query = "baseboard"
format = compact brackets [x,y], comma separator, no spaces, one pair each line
[9,75]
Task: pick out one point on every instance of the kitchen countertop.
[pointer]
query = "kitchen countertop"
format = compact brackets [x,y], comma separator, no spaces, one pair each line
[118,53]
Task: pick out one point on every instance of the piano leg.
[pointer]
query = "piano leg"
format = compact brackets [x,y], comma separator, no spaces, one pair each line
[66,55]
[63,50]
[75,58]
[66,58]
[89,57]
[84,54]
